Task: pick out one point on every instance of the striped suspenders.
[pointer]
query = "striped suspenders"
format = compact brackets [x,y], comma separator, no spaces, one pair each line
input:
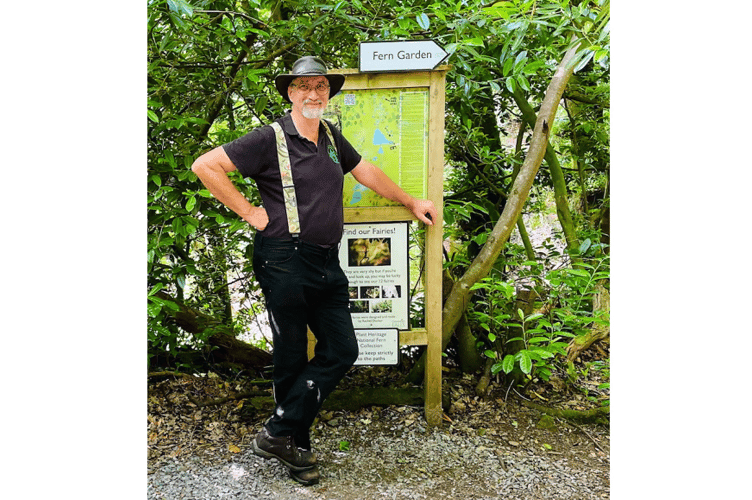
[285,171]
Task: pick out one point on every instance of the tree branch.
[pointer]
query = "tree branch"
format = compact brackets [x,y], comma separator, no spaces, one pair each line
[255,21]
[596,415]
[480,267]
[573,95]
[461,292]
[216,106]
[557,175]
[485,179]
[231,397]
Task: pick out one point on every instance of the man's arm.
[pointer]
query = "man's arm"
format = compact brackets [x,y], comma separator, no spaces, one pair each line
[374,178]
[212,169]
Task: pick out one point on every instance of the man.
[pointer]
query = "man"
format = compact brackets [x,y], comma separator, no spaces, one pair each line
[296,258]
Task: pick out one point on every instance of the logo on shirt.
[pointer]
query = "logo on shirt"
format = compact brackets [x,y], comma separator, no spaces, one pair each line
[333,154]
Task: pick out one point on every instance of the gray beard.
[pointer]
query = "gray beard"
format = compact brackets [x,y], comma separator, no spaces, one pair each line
[313,113]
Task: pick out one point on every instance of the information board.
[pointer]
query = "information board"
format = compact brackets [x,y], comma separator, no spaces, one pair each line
[374,258]
[377,347]
[389,127]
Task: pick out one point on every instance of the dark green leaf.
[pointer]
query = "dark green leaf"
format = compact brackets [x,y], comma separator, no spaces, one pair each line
[153,309]
[537,340]
[508,364]
[526,364]
[481,238]
[507,67]
[522,81]
[543,353]
[579,272]
[448,215]
[261,104]
[532,68]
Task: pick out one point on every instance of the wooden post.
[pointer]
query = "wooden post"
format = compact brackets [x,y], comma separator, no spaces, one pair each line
[434,241]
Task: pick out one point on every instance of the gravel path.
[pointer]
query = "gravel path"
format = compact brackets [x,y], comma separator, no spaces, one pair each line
[391,462]
[393,456]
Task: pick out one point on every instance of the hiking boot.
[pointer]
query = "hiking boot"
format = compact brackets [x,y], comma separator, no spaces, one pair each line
[283,449]
[306,477]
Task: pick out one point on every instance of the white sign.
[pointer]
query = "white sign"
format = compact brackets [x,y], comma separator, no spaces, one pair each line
[415,55]
[377,347]
[374,258]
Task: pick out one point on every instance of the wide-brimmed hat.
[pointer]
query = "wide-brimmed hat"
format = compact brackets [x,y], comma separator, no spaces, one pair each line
[309,66]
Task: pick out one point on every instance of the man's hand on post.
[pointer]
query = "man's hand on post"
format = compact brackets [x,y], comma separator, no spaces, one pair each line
[424,210]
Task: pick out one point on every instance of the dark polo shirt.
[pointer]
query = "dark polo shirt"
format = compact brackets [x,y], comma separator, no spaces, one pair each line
[318,179]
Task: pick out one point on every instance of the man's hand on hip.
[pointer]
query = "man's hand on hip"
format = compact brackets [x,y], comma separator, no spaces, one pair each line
[257,217]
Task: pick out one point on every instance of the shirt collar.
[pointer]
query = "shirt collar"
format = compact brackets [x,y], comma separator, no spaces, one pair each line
[289,125]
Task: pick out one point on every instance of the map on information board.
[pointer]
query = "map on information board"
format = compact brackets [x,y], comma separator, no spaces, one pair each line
[389,128]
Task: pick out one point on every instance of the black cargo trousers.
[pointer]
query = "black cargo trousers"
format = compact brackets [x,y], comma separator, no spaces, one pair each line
[304,285]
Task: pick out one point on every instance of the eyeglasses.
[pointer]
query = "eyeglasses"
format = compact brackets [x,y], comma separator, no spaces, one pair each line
[321,89]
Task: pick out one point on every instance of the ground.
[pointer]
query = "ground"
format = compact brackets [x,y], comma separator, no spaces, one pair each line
[482,444]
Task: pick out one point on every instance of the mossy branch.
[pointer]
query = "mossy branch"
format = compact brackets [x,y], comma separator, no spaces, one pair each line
[595,416]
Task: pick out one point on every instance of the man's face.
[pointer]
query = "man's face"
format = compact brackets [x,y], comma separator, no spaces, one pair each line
[306,98]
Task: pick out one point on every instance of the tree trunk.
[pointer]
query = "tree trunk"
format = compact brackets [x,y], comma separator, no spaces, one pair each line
[460,295]
[604,219]
[529,250]
[602,305]
[481,388]
[557,176]
[218,275]
[469,357]
[224,347]
[573,110]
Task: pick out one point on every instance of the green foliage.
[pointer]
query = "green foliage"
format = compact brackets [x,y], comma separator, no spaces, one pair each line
[542,344]
[519,55]
[601,366]
[543,338]
[211,66]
